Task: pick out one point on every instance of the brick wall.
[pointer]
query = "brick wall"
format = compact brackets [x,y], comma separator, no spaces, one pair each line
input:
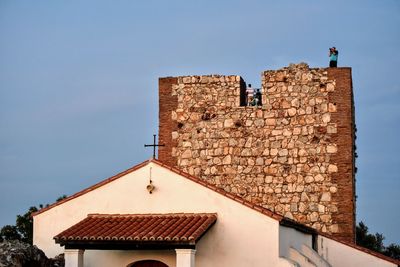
[293,155]
[167,104]
[344,178]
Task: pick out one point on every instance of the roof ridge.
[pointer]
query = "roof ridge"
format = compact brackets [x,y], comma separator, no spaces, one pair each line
[149,214]
[93,187]
[234,197]
[221,191]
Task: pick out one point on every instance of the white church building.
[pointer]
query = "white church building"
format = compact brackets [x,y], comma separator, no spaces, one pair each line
[156,215]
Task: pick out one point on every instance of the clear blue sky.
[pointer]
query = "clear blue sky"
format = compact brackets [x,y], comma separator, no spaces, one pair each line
[79,84]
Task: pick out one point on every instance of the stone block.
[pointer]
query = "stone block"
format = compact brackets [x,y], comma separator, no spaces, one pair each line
[326,196]
[331,149]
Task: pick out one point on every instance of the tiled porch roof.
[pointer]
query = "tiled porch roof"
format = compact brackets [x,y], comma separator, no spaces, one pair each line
[176,228]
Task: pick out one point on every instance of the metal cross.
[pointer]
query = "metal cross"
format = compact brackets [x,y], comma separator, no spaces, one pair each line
[154,146]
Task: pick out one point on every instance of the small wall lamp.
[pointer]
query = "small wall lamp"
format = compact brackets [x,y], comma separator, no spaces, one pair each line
[150,187]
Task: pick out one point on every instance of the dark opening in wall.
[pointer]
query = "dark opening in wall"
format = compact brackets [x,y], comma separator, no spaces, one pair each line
[242,93]
[314,242]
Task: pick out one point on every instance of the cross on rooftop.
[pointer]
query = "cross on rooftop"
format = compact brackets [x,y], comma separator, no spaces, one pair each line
[154,145]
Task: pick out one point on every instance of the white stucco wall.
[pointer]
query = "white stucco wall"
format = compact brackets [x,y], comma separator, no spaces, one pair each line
[338,254]
[290,237]
[241,236]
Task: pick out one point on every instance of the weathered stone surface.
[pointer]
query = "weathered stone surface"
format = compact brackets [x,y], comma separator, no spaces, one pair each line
[292,112]
[326,117]
[270,121]
[330,87]
[331,149]
[332,168]
[186,154]
[285,154]
[326,196]
[227,160]
[18,254]
[228,123]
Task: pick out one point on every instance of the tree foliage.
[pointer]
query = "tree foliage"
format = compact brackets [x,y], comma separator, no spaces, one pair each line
[393,251]
[23,228]
[375,242]
[9,232]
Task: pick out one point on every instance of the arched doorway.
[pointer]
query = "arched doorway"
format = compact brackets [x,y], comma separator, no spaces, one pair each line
[148,263]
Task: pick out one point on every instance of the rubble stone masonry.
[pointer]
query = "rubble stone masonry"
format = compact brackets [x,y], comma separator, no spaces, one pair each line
[293,155]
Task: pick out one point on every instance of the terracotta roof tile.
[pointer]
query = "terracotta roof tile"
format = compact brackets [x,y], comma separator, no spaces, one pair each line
[176,227]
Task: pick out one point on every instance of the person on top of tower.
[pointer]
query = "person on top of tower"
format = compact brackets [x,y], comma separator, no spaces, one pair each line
[333,56]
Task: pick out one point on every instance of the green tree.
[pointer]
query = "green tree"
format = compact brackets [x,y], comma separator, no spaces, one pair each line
[23,228]
[392,251]
[9,232]
[61,198]
[24,224]
[367,240]
[375,242]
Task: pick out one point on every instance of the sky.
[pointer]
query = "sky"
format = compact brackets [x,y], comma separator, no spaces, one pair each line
[79,84]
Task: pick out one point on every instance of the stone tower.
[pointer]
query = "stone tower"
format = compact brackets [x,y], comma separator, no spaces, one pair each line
[293,155]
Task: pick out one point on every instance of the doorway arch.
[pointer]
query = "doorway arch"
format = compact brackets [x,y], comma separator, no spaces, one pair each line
[148,263]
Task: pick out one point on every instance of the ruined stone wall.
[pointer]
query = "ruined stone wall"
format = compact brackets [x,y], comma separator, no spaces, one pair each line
[293,155]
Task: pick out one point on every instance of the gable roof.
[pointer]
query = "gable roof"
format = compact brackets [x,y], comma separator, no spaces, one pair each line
[281,219]
[179,172]
[93,187]
[137,230]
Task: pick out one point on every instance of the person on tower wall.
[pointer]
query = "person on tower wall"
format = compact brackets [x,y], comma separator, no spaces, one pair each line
[257,98]
[249,95]
[333,56]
